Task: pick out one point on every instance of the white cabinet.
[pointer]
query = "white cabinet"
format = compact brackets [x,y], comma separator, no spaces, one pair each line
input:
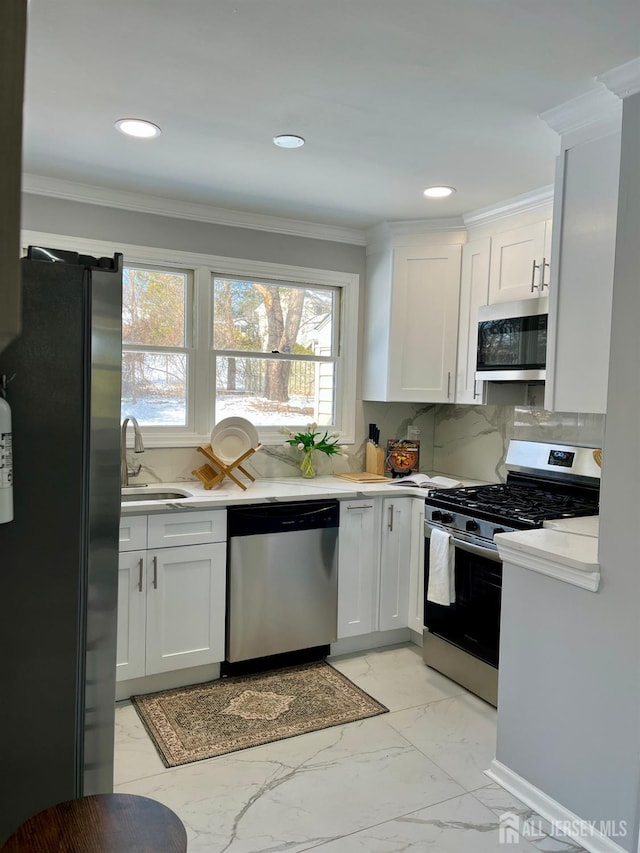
[376,558]
[411,324]
[132,604]
[171,600]
[416,568]
[581,298]
[395,559]
[185,606]
[520,263]
[358,561]
[474,292]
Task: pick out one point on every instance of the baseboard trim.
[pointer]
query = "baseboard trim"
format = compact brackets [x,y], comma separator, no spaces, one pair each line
[370,641]
[166,680]
[584,833]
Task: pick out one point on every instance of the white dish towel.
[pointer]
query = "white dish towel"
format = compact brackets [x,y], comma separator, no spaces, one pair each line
[442,581]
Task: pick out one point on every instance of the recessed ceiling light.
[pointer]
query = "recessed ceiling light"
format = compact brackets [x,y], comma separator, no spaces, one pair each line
[288,140]
[439,192]
[137,127]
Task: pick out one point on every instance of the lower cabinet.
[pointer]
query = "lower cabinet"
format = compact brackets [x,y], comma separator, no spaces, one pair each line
[374,565]
[395,559]
[171,605]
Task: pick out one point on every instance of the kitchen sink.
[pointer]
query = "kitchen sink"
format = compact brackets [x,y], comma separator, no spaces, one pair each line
[142,494]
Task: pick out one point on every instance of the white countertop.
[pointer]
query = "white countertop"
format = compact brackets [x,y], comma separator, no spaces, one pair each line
[587,526]
[567,552]
[266,490]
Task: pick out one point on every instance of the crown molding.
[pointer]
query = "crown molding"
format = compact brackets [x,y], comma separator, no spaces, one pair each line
[409,232]
[525,203]
[624,80]
[595,110]
[142,203]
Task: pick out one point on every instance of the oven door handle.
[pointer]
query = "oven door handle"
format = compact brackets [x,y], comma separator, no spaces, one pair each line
[478,550]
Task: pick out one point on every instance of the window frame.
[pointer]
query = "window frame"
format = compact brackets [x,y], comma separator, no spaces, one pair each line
[204,267]
[188,349]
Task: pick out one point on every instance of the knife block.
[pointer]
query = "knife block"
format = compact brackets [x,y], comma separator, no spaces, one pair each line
[374,458]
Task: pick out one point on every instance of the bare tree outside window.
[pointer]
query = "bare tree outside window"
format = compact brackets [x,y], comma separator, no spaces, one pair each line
[154,363]
[267,319]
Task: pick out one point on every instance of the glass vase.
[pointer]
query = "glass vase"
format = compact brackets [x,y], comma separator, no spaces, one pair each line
[306,466]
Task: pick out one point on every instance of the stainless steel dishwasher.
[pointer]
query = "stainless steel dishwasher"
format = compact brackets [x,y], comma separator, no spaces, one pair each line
[282,590]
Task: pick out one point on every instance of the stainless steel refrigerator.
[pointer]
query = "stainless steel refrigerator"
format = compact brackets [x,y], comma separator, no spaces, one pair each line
[59,556]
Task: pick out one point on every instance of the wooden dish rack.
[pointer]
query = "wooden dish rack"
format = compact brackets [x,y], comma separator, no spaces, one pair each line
[213,472]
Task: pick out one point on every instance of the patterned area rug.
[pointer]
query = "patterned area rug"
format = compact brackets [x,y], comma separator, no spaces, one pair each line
[205,720]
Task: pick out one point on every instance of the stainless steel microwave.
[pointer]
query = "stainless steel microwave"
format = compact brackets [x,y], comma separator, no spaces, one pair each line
[512,341]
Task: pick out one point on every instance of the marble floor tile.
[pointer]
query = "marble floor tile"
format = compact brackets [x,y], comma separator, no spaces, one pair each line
[397,782]
[300,791]
[396,676]
[501,801]
[459,825]
[135,755]
[458,734]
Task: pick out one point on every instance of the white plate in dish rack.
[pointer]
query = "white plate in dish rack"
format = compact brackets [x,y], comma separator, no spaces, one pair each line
[232,437]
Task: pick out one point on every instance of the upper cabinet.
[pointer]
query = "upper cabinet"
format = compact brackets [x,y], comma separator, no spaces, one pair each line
[411,323]
[581,298]
[474,292]
[520,263]
[12,48]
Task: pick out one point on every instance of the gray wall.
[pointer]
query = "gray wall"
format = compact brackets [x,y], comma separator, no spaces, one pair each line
[58,216]
[569,704]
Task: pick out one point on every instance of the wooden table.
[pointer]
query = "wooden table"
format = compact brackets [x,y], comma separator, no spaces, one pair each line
[101,823]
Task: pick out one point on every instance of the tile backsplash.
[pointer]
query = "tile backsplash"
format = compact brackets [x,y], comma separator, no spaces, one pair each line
[466,441]
[472,441]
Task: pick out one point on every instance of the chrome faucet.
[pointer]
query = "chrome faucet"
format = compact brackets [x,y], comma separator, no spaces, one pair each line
[138,447]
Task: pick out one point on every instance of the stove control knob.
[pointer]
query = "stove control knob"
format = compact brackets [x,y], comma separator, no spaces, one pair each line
[447,518]
[436,515]
[472,526]
[498,530]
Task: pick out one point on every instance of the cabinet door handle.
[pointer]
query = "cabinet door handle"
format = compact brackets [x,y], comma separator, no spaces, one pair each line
[448,384]
[534,267]
[476,393]
[363,506]
[543,283]
[140,567]
[155,573]
[390,522]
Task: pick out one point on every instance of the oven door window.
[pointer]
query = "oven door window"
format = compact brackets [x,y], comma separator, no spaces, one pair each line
[473,622]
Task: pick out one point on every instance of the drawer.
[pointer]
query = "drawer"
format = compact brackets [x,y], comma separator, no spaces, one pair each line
[133,533]
[187,528]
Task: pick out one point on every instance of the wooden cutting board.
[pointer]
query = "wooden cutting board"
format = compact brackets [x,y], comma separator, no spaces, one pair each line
[363,477]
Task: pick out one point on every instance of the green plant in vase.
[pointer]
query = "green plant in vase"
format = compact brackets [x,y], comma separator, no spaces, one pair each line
[308,442]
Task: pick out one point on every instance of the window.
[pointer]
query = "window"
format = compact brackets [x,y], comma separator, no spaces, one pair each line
[156,346]
[199,334]
[275,351]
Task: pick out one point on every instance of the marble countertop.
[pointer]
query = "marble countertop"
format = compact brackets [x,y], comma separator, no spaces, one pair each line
[265,490]
[589,525]
[562,550]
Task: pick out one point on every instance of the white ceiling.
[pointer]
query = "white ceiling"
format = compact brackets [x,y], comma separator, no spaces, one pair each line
[391,96]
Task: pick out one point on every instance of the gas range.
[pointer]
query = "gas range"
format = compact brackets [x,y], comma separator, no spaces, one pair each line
[462,632]
[544,482]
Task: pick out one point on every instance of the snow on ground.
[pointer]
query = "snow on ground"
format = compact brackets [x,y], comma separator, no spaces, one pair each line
[171,411]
